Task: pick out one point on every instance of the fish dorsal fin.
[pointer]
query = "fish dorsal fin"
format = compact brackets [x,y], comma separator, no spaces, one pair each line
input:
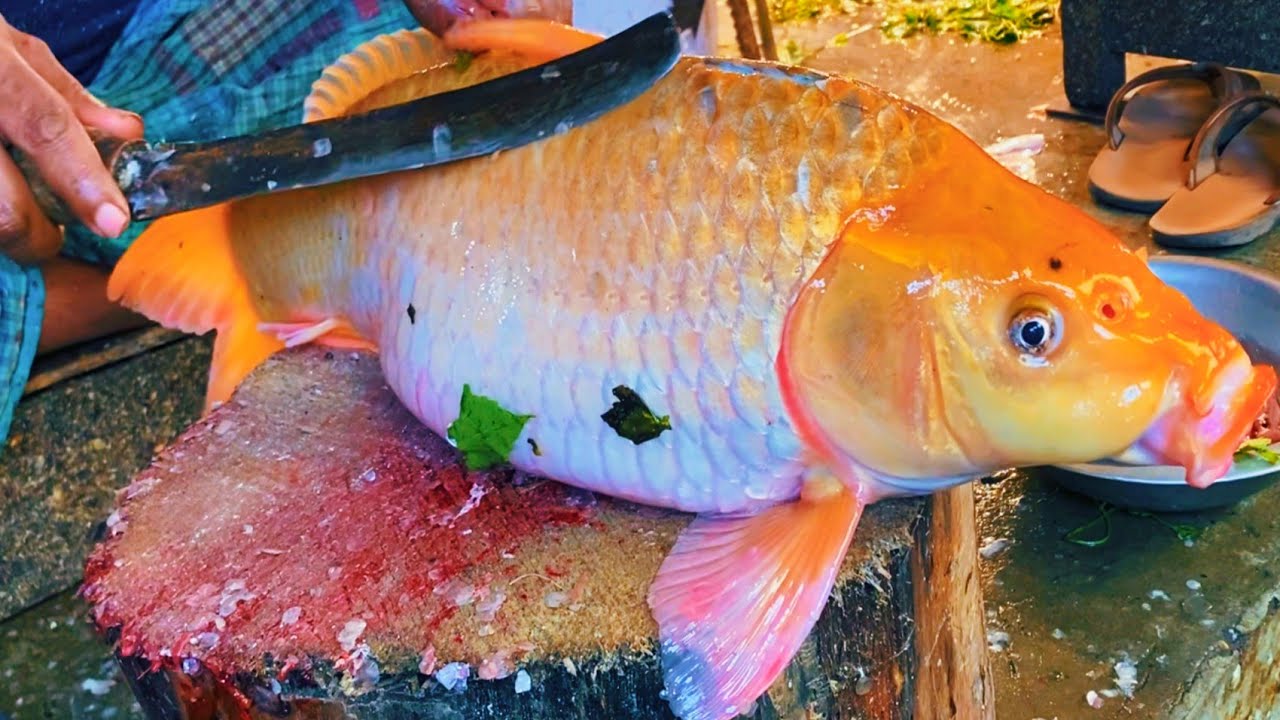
[373,64]
[181,273]
[395,56]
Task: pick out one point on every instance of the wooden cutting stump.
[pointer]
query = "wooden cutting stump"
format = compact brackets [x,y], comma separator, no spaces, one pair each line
[309,550]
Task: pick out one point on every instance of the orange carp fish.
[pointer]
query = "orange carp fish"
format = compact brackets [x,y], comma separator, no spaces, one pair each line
[761,294]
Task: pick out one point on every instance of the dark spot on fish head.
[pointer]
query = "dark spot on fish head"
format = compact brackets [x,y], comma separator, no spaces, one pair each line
[412,312]
[1055,263]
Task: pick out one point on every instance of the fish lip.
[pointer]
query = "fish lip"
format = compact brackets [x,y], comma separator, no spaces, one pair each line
[1201,432]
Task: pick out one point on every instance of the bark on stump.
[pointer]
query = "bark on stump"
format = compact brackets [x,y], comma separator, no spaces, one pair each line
[310,551]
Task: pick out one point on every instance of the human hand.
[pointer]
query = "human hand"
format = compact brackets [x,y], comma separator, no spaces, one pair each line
[45,113]
[440,15]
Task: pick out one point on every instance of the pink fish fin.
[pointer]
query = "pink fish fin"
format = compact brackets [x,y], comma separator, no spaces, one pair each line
[181,272]
[330,332]
[535,38]
[738,595]
[371,65]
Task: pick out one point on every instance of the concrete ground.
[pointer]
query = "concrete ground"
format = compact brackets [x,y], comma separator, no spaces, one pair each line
[1153,623]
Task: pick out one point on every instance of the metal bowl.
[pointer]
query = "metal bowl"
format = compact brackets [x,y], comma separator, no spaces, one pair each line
[1247,303]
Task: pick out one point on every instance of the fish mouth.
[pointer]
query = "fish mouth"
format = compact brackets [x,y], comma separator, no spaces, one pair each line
[1201,431]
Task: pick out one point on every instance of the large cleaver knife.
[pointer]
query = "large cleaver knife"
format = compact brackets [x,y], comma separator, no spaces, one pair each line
[499,114]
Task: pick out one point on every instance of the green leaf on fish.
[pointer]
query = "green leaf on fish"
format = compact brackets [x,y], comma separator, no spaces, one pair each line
[485,432]
[631,418]
[1260,448]
[462,60]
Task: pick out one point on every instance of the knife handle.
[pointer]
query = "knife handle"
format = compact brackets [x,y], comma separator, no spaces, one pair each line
[115,154]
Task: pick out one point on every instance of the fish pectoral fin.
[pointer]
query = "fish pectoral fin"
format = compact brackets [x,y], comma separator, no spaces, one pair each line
[330,332]
[181,273]
[538,39]
[739,594]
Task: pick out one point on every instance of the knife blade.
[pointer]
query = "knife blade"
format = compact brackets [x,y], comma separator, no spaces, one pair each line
[501,114]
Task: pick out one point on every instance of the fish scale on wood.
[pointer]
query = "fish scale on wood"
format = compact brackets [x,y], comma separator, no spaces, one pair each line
[817,286]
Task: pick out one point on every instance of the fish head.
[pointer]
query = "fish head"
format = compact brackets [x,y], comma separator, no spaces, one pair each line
[946,340]
[1082,353]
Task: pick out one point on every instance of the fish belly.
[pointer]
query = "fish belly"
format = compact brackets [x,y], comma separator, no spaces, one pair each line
[542,348]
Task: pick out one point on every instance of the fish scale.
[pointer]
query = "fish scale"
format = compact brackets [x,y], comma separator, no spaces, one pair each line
[544,283]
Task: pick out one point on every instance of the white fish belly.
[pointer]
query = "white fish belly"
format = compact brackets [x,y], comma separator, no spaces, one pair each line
[514,338]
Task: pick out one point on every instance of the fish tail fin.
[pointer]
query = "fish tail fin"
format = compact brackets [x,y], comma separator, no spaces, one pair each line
[539,40]
[181,273]
[373,64]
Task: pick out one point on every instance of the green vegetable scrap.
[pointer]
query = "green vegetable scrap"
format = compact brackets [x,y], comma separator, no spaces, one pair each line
[1183,531]
[631,418]
[790,10]
[998,21]
[1259,448]
[462,60]
[1075,536]
[485,432]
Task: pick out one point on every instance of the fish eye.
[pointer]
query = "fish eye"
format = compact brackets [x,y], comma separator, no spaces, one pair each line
[1034,331]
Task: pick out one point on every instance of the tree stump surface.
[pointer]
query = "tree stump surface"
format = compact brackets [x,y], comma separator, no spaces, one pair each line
[310,550]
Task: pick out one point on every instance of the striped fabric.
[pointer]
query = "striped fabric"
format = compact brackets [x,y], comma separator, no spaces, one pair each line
[195,69]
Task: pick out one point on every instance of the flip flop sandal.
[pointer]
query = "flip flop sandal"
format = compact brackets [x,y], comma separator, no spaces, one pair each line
[1150,123]
[1232,179]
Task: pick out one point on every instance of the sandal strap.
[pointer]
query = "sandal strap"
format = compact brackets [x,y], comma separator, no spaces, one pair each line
[1223,82]
[1220,129]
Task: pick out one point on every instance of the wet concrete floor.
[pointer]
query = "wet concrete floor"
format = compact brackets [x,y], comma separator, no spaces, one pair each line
[1062,616]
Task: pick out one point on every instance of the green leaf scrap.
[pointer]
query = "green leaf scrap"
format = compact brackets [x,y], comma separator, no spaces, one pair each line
[996,21]
[485,431]
[462,60]
[1257,448]
[632,419]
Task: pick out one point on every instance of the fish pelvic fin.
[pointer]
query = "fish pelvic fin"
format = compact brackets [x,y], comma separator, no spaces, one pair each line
[181,273]
[739,594]
[538,39]
[330,332]
[373,64]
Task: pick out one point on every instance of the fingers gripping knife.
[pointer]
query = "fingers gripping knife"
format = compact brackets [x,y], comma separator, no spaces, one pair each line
[499,114]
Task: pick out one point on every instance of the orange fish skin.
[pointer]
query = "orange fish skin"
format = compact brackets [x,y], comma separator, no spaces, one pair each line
[683,263]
